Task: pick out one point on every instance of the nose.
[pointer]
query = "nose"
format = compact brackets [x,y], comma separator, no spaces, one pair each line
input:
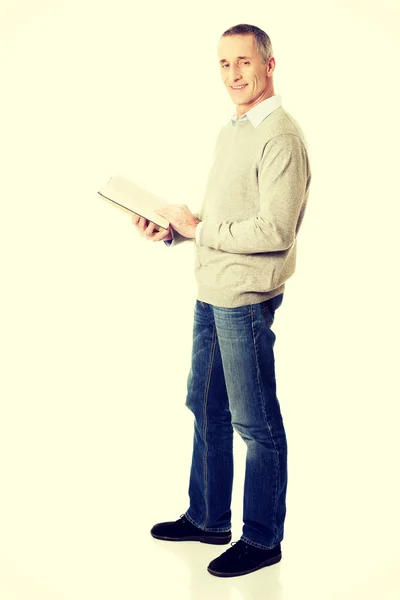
[234,76]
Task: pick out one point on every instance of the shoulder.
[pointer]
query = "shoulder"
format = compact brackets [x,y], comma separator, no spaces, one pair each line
[281,127]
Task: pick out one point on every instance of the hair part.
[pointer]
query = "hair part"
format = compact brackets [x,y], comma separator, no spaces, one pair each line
[262,40]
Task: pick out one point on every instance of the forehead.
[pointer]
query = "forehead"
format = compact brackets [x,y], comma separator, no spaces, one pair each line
[230,47]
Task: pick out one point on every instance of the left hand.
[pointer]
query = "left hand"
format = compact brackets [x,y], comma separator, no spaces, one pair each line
[180,218]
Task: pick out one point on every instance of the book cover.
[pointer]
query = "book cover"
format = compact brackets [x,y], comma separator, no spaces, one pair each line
[133,199]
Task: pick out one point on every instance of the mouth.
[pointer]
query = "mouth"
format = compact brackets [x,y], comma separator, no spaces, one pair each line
[238,88]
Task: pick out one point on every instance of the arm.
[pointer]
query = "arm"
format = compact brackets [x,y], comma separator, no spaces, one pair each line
[282,179]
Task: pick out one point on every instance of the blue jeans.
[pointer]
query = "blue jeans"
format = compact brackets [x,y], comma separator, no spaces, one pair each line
[231,385]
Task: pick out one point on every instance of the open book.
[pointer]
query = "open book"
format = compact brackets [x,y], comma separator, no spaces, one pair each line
[131,198]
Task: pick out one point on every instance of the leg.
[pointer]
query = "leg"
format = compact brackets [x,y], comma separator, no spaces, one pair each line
[246,343]
[211,475]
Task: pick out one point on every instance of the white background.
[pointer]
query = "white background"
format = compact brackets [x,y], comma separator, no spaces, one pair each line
[96,322]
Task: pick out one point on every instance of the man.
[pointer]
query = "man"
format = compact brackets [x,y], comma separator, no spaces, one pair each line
[245,234]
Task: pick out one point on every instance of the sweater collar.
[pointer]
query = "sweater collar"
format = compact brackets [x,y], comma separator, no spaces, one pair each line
[260,111]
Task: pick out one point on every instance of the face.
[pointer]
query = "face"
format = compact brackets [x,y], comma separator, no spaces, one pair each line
[247,71]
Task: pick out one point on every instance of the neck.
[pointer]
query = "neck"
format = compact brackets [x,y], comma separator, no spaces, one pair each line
[243,108]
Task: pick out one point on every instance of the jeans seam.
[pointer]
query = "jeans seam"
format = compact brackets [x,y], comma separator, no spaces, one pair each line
[266,417]
[208,529]
[205,426]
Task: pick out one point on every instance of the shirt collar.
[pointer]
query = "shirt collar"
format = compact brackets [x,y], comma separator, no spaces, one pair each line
[260,111]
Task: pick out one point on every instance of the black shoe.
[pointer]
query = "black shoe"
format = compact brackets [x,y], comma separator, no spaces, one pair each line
[183,531]
[242,558]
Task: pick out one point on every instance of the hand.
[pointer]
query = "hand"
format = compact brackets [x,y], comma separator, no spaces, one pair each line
[180,218]
[146,230]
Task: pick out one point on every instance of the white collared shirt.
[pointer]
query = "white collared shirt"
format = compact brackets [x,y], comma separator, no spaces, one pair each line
[260,111]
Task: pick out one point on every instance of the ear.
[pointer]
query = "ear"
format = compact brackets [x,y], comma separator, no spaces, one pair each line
[271,65]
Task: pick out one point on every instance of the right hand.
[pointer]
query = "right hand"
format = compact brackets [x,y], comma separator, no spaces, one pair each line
[146,230]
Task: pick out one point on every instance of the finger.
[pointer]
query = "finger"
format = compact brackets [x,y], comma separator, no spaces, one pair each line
[160,236]
[142,223]
[149,229]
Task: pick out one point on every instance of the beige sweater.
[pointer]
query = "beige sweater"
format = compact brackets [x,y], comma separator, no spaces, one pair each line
[254,203]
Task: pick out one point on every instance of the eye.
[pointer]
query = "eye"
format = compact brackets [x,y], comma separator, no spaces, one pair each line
[245,62]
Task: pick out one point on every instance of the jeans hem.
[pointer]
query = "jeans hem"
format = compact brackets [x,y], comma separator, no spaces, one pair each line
[210,529]
[256,545]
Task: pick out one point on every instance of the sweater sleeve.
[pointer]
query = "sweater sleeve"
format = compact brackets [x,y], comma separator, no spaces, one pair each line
[198,231]
[282,180]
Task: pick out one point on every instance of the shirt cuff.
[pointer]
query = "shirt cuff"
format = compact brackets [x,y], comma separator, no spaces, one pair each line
[170,242]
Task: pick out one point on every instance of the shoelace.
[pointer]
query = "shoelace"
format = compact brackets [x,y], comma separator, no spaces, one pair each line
[243,548]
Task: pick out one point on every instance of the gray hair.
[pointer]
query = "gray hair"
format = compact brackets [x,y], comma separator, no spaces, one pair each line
[262,41]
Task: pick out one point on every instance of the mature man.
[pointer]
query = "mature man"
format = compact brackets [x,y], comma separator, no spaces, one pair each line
[245,233]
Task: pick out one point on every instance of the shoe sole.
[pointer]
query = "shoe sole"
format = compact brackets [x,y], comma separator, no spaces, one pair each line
[218,540]
[266,563]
